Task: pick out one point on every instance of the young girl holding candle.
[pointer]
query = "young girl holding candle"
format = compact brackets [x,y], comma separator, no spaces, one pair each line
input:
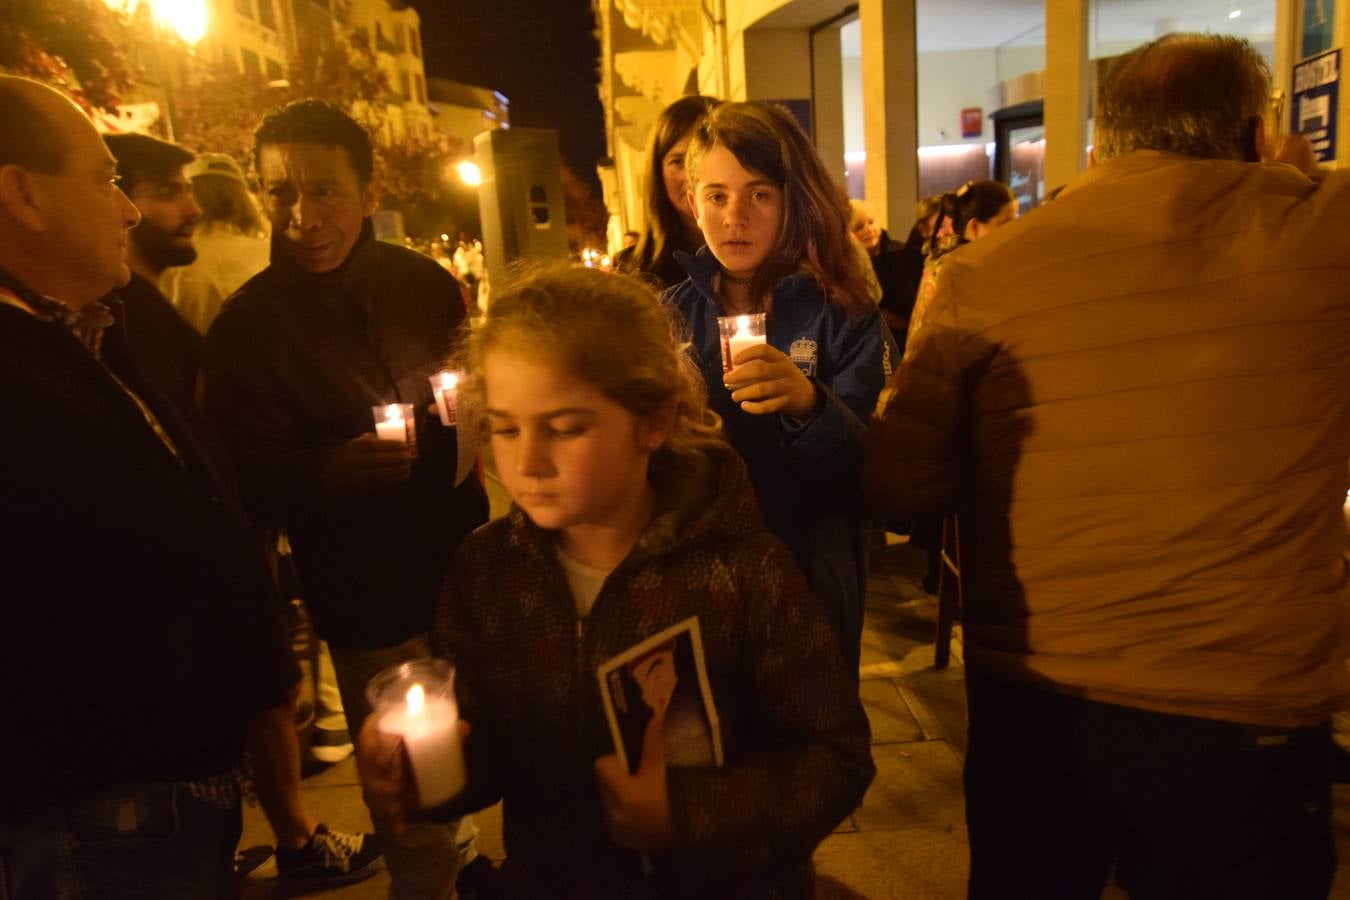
[795,407]
[631,515]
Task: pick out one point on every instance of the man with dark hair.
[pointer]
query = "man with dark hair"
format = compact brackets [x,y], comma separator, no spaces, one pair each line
[169,351]
[1138,399]
[136,610]
[151,173]
[336,324]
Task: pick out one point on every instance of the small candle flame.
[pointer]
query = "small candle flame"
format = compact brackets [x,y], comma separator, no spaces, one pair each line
[449,381]
[743,325]
[417,700]
[392,413]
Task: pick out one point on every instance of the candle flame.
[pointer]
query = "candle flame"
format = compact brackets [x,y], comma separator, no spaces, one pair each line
[417,700]
[449,381]
[392,413]
[743,325]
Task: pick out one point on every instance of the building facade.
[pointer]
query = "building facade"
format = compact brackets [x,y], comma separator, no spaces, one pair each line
[909,97]
[394,30]
[461,111]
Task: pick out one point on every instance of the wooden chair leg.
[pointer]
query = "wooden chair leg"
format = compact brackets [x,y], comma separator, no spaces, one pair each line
[949,591]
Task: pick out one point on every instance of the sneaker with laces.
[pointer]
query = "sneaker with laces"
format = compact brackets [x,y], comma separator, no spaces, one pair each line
[330,859]
[329,745]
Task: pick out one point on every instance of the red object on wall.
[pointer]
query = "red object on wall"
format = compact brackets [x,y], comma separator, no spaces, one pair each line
[972,122]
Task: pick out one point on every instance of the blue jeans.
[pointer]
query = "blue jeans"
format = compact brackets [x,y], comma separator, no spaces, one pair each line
[144,840]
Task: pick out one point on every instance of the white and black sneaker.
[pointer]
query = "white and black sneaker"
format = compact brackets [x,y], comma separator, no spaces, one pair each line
[330,746]
[330,859]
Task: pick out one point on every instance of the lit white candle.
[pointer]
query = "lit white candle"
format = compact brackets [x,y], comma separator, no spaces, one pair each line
[393,427]
[742,338]
[445,385]
[430,733]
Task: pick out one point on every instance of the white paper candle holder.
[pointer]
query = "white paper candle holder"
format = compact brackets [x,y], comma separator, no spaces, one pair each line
[738,333]
[445,386]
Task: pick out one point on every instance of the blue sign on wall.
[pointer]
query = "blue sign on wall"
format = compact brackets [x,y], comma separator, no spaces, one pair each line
[1318,17]
[1316,88]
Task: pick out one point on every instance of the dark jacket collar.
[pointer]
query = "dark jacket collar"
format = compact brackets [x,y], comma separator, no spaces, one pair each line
[347,279]
[702,266]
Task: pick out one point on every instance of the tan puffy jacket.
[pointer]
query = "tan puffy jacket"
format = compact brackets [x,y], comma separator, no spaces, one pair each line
[1138,397]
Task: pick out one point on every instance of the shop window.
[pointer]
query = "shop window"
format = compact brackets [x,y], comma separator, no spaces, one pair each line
[252,66]
[267,14]
[404,89]
[421,88]
[274,70]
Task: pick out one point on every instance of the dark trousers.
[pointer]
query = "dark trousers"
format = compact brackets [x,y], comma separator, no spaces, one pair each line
[1060,790]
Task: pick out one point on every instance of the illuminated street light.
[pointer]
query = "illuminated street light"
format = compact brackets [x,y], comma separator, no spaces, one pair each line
[469,173]
[187,18]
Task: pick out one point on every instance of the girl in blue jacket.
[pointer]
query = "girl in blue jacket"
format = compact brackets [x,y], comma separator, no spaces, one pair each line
[796,407]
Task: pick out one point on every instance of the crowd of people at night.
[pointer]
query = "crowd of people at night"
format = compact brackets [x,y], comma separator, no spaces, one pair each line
[221,391]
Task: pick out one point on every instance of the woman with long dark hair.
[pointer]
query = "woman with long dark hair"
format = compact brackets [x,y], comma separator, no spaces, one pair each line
[670,222]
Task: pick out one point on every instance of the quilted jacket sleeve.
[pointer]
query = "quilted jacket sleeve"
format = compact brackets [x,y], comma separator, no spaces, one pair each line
[813,762]
[914,463]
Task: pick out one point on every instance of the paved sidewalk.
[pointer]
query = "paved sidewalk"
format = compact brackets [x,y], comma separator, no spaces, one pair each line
[908,840]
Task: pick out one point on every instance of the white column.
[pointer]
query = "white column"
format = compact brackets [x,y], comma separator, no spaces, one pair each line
[890,79]
[1340,39]
[1288,31]
[827,100]
[1066,90]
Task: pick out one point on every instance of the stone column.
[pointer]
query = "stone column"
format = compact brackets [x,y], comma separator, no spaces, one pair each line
[1066,90]
[890,77]
[827,96]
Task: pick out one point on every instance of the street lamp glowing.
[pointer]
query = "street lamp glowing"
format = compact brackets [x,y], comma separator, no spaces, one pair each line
[187,18]
[469,173]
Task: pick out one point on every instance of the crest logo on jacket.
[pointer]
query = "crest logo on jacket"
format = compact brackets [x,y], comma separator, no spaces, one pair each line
[803,353]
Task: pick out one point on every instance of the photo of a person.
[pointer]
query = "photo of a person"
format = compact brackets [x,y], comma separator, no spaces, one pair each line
[659,687]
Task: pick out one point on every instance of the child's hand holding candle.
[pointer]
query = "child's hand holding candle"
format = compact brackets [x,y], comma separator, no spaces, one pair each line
[415,703]
[739,333]
[761,378]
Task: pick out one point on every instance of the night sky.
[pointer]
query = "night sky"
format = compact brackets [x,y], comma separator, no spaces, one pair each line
[542,54]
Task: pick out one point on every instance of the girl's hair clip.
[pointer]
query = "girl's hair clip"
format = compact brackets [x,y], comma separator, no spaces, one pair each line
[964,189]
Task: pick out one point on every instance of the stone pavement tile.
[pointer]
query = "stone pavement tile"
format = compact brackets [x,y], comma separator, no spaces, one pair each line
[915,864]
[336,775]
[889,715]
[943,695]
[875,648]
[917,785]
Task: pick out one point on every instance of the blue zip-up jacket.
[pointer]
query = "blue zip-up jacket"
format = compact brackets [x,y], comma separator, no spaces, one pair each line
[807,475]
